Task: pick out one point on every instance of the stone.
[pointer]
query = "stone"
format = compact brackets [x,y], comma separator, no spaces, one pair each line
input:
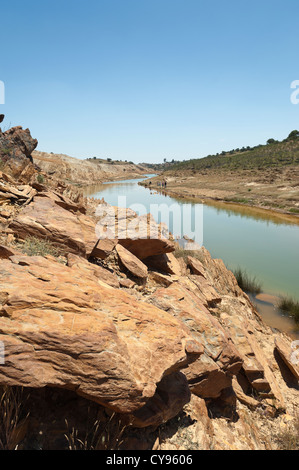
[171,395]
[140,235]
[286,353]
[43,218]
[95,271]
[7,252]
[103,248]
[206,379]
[127,283]
[143,248]
[219,360]
[20,141]
[62,201]
[162,279]
[135,267]
[165,263]
[261,385]
[247,400]
[60,328]
[196,266]
[16,147]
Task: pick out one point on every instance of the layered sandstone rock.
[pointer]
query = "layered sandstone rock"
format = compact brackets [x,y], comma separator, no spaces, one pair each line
[186,341]
[165,263]
[61,328]
[72,232]
[208,376]
[84,172]
[131,263]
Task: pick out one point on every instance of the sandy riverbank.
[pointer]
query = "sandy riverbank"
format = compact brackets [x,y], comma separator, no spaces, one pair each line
[273,193]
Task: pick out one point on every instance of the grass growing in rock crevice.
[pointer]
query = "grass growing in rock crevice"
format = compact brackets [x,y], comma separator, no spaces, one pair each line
[182,253]
[246,282]
[288,439]
[33,246]
[290,307]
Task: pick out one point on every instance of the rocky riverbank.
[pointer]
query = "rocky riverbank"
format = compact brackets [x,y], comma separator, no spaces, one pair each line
[125,343]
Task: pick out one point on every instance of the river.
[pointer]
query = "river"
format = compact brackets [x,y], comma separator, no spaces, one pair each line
[265,246]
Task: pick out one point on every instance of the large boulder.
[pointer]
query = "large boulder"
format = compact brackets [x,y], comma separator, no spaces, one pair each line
[19,141]
[16,147]
[135,267]
[62,328]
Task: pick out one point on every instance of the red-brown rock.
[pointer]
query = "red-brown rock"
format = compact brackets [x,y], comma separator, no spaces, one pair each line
[62,329]
[131,263]
[43,218]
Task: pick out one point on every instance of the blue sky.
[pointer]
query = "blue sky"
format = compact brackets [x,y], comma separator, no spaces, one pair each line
[145,80]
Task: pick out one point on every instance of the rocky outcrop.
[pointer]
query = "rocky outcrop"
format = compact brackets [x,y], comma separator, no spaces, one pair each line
[124,324]
[211,374]
[16,147]
[141,235]
[131,263]
[61,328]
[165,263]
[71,232]
[85,172]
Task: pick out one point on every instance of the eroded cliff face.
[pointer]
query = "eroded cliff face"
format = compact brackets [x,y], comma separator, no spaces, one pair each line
[91,328]
[84,172]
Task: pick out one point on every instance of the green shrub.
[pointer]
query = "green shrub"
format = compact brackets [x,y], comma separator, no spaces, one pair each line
[40,179]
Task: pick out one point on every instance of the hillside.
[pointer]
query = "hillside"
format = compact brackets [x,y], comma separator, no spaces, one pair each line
[274,154]
[82,172]
[264,177]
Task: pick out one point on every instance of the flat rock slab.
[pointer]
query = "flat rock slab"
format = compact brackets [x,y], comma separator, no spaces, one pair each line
[43,218]
[131,263]
[196,266]
[61,328]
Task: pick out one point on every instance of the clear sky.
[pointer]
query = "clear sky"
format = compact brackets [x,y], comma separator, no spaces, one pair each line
[145,80]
